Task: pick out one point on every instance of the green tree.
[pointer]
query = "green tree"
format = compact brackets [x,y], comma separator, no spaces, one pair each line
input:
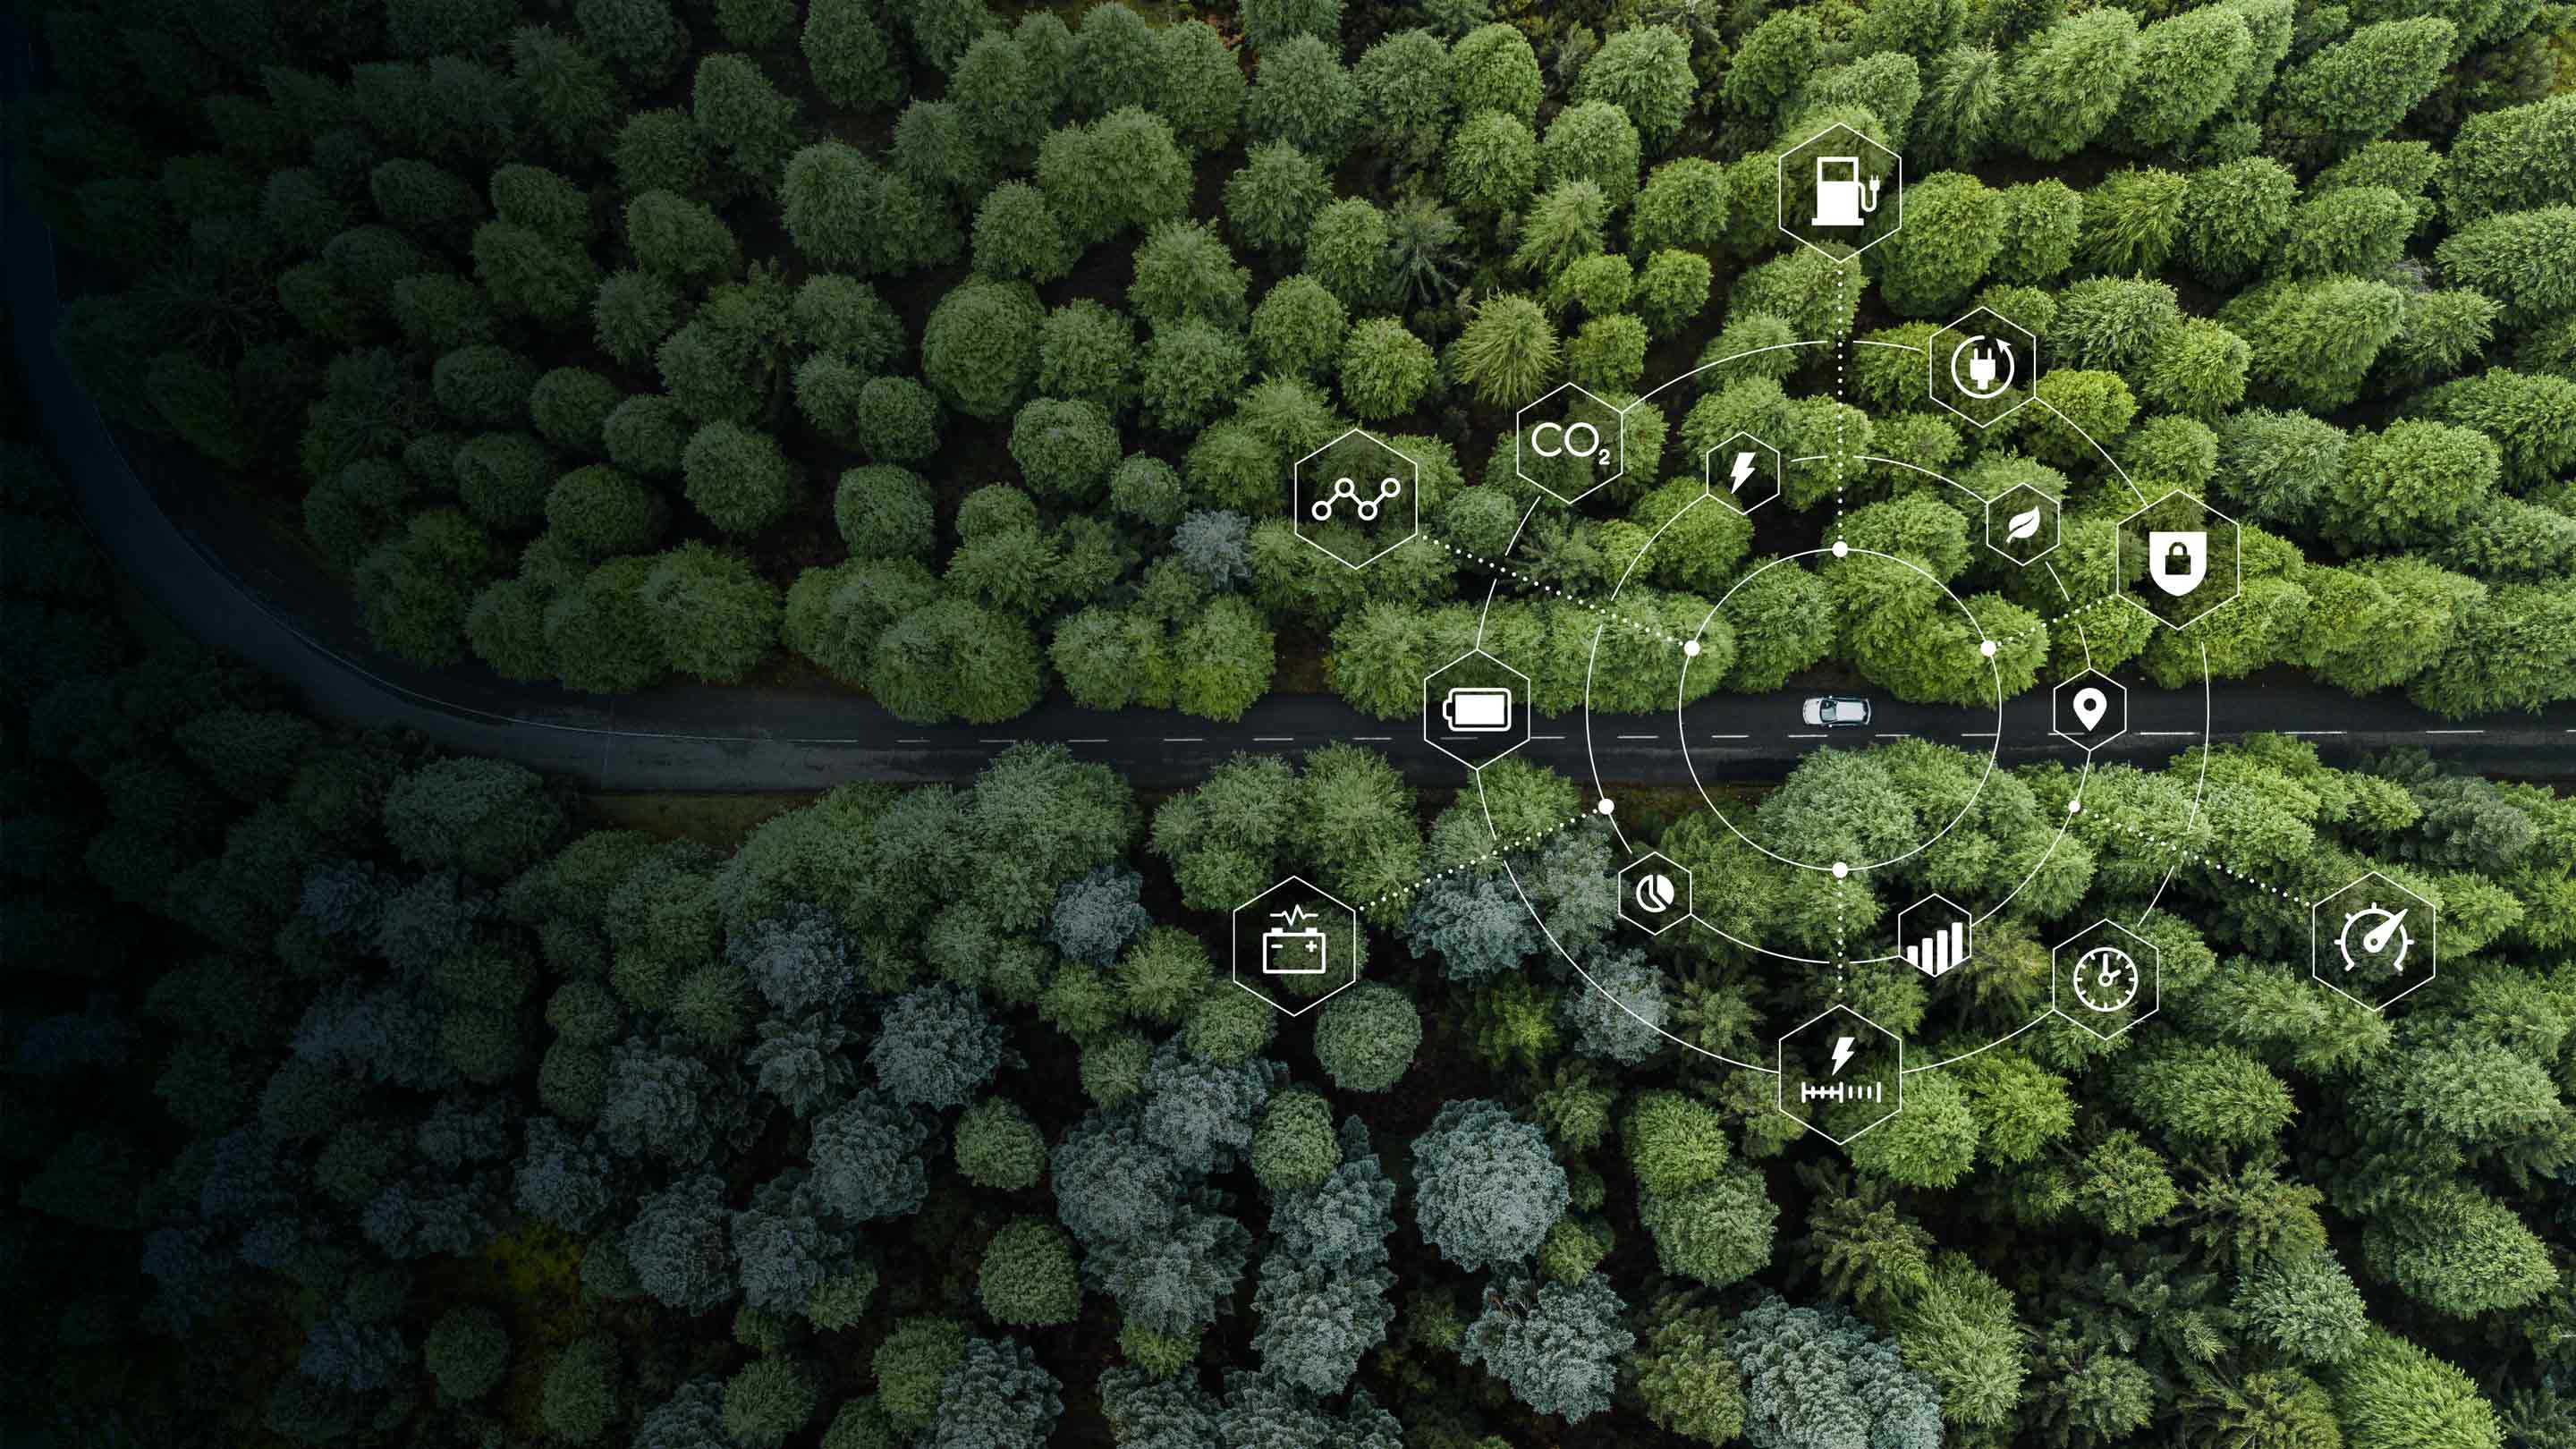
[1365,1037]
[2392,1393]
[1200,91]
[717,617]
[2195,58]
[979,348]
[1683,204]
[1592,141]
[1122,172]
[1407,95]
[1018,238]
[851,59]
[1273,199]
[2359,87]
[1953,233]
[1183,272]
[2070,83]
[1491,164]
[1301,94]
[1384,369]
[1646,72]
[1027,1279]
[738,478]
[1496,71]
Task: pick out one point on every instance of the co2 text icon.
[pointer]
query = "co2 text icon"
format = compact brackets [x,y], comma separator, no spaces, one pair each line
[1569,443]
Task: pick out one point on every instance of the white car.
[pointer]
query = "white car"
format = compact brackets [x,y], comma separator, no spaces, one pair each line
[1835,711]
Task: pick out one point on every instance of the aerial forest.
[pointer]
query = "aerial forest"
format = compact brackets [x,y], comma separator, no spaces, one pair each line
[959,357]
[952,357]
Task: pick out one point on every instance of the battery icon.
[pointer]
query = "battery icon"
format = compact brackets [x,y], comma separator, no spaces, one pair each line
[1286,951]
[1477,710]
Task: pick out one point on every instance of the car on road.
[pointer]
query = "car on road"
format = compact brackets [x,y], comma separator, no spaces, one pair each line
[1835,711]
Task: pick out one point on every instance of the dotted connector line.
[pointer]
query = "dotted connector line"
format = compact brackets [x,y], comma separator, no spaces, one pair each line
[1842,958]
[2211,861]
[2008,640]
[1507,846]
[1842,360]
[1503,568]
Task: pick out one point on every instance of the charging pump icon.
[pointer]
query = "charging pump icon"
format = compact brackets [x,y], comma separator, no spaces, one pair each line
[1985,377]
[1838,199]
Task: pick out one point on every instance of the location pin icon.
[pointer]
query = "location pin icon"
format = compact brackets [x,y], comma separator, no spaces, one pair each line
[2090,705]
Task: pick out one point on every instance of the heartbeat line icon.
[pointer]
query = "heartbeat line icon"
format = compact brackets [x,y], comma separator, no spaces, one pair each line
[1296,915]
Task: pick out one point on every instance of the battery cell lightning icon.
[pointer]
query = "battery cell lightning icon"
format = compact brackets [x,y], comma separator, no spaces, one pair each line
[1842,1091]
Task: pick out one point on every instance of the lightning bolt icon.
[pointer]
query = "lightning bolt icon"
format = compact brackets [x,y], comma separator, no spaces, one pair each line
[1743,470]
[1842,1055]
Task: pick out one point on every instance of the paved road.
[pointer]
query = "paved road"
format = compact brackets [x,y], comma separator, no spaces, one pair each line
[211,567]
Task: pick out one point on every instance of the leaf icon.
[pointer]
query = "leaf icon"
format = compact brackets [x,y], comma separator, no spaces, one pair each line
[2023,525]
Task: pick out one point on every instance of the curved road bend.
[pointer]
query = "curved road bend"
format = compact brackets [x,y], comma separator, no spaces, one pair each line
[211,567]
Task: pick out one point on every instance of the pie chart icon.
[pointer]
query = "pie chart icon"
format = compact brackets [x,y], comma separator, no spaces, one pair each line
[1655,893]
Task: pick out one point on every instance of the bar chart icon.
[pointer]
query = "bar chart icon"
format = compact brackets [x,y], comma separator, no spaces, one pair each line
[1938,952]
[1933,936]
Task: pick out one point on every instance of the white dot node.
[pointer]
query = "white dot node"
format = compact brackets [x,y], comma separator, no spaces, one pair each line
[1605,807]
[2072,806]
[1987,649]
[1841,869]
[1841,549]
[1691,648]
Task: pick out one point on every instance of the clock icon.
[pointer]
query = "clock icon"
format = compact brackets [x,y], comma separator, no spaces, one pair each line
[2106,978]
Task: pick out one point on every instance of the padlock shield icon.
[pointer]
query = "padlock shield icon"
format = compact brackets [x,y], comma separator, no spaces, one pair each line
[2177,561]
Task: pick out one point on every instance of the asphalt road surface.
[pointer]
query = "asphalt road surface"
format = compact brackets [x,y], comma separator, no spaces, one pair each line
[212,568]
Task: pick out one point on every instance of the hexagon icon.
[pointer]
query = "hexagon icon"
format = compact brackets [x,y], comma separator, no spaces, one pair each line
[1935,935]
[2089,710]
[1475,709]
[1841,1074]
[2106,978]
[1743,472]
[2182,553]
[2374,940]
[2021,524]
[1841,192]
[1983,367]
[1294,945]
[1569,442]
[1356,498]
[1654,893]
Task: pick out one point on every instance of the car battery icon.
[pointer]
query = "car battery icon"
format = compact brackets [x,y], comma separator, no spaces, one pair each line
[1477,710]
[1295,952]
